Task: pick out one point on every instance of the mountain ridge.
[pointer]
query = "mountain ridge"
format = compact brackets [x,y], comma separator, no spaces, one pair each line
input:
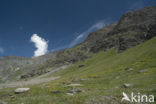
[133,28]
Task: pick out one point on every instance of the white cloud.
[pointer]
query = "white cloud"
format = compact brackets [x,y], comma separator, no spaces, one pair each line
[1,50]
[83,35]
[41,45]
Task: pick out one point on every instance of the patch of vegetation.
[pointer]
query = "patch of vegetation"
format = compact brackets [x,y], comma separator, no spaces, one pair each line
[102,78]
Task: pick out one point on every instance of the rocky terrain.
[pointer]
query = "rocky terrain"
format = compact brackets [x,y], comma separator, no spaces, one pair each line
[133,28]
[119,57]
[12,67]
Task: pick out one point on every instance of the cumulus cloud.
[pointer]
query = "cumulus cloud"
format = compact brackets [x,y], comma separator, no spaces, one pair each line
[83,35]
[41,45]
[1,50]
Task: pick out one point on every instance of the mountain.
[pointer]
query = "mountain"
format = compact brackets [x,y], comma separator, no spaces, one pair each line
[132,29]
[101,80]
[118,58]
[11,67]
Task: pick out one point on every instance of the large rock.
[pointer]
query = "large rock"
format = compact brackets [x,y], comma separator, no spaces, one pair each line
[21,90]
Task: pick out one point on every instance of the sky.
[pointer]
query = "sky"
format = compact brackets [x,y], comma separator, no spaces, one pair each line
[35,27]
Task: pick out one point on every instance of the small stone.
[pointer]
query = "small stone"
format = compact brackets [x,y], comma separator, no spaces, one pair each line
[74,80]
[82,65]
[126,85]
[74,85]
[71,91]
[129,69]
[70,94]
[117,77]
[84,79]
[12,96]
[56,91]
[78,90]
[142,71]
[116,87]
[21,90]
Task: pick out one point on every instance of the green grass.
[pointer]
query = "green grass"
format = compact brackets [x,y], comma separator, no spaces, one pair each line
[105,73]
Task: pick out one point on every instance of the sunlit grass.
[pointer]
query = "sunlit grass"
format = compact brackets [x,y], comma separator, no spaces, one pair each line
[104,75]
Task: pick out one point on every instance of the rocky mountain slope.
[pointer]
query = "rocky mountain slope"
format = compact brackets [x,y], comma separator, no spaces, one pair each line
[133,28]
[12,67]
[118,58]
[100,80]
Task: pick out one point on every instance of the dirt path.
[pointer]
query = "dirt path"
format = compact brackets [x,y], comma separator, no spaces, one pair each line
[29,82]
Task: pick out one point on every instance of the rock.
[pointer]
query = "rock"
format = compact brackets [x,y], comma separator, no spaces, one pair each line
[81,65]
[75,90]
[93,76]
[11,96]
[74,85]
[21,90]
[68,83]
[129,69]
[126,85]
[84,79]
[78,90]
[24,76]
[70,94]
[71,91]
[117,77]
[74,80]
[142,71]
[116,87]
[56,92]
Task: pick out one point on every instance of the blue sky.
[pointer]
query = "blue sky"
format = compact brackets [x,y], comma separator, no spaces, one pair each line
[60,23]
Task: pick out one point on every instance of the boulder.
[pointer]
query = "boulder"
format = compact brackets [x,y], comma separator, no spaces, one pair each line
[21,90]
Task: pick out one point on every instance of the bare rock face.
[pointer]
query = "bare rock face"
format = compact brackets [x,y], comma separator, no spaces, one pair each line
[21,90]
